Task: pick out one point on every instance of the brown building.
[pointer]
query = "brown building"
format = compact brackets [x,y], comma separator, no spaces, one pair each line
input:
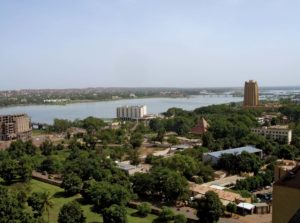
[15,127]
[251,94]
[201,127]
[282,167]
[286,198]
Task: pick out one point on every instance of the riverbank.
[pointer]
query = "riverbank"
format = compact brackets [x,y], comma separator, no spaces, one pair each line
[45,113]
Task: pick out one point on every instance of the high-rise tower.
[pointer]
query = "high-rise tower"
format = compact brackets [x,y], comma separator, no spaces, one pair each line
[251,94]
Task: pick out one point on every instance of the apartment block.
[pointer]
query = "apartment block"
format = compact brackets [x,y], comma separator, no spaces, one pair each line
[131,112]
[15,127]
[276,132]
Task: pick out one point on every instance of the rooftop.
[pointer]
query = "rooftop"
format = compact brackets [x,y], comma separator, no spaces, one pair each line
[247,206]
[226,196]
[125,166]
[292,179]
[238,151]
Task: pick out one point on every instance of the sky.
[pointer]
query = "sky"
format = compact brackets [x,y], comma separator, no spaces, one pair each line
[148,43]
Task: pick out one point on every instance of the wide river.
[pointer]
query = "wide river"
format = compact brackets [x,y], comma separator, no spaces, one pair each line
[107,109]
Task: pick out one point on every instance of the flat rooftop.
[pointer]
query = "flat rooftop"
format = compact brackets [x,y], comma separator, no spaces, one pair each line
[238,151]
[292,179]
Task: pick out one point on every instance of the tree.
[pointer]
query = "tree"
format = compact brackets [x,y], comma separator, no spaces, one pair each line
[50,165]
[71,213]
[142,184]
[41,202]
[210,208]
[180,218]
[92,124]
[61,125]
[160,135]
[115,214]
[207,139]
[171,185]
[104,194]
[144,209]
[185,164]
[136,140]
[134,157]
[173,140]
[72,184]
[11,208]
[166,215]
[47,148]
[25,168]
[285,153]
[19,148]
[231,207]
[9,170]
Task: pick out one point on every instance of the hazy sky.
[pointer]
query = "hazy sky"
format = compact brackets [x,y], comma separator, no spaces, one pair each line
[148,43]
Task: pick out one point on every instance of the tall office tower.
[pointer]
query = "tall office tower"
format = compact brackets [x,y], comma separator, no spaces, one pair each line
[251,94]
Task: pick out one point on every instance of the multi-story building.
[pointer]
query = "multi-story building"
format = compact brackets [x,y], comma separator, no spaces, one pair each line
[251,94]
[15,127]
[282,167]
[276,132]
[286,198]
[131,112]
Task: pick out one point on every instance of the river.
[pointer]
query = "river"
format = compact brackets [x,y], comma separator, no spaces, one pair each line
[107,109]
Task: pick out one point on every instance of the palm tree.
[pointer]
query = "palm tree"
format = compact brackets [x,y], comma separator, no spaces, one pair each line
[46,199]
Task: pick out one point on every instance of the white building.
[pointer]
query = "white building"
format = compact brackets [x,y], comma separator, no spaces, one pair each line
[131,112]
[276,132]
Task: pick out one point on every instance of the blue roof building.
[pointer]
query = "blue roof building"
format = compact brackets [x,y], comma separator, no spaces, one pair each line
[214,157]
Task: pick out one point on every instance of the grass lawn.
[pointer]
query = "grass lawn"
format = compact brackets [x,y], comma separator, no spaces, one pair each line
[59,200]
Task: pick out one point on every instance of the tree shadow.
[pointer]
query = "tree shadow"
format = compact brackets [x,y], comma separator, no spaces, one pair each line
[60,194]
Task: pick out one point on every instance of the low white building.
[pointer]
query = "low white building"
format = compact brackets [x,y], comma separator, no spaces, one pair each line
[276,132]
[131,112]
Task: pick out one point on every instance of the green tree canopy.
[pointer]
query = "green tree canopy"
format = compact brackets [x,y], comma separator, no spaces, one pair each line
[210,208]
[71,213]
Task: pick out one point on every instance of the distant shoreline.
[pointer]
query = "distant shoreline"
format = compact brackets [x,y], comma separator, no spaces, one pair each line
[86,101]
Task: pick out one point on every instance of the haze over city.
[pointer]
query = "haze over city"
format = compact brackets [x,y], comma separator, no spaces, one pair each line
[139,43]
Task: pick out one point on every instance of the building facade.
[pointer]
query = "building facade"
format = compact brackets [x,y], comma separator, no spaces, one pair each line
[15,127]
[276,132]
[286,198]
[131,112]
[251,94]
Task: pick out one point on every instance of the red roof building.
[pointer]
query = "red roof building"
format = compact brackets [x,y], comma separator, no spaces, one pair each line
[201,127]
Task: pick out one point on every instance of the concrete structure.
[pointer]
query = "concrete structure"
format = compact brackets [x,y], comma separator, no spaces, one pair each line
[251,94]
[282,167]
[131,112]
[245,208]
[226,182]
[214,157]
[15,127]
[262,208]
[201,127]
[199,190]
[131,169]
[286,198]
[276,132]
[180,147]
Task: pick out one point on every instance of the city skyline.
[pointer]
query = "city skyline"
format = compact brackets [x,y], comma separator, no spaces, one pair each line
[130,43]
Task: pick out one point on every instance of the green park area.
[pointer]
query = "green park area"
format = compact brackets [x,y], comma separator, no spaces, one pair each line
[58,199]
